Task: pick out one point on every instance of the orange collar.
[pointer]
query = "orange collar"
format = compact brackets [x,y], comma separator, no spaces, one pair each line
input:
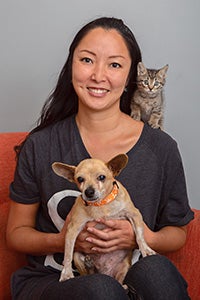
[107,199]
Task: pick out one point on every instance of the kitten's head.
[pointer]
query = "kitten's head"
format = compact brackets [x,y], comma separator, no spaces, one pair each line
[149,80]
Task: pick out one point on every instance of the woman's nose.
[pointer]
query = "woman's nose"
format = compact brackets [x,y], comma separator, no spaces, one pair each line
[99,73]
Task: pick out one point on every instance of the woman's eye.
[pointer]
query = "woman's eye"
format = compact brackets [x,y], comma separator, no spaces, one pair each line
[86,60]
[116,65]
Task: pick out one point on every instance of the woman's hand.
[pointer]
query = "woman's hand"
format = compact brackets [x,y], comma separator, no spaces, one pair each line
[116,234]
[81,244]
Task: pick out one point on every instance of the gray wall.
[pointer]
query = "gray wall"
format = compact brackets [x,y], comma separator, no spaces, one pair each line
[34,40]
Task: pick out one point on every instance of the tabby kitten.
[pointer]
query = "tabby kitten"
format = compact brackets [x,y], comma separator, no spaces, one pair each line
[147,101]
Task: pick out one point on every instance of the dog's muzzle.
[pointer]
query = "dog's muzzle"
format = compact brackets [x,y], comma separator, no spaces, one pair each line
[90,193]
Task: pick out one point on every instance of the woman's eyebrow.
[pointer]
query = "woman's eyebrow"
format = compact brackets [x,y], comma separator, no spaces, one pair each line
[88,51]
[117,56]
[112,56]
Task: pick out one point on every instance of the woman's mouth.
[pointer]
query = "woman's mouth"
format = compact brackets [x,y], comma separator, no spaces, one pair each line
[97,91]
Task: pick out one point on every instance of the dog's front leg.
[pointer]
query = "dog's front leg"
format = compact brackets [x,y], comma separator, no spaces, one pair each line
[70,238]
[122,269]
[138,226]
[68,257]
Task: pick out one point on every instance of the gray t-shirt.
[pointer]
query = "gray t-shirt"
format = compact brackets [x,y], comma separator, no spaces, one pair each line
[154,178]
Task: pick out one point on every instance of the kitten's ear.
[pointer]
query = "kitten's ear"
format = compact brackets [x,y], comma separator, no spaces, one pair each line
[141,70]
[163,71]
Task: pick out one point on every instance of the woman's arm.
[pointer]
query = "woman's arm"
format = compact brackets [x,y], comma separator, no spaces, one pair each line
[118,234]
[167,239]
[121,236]
[22,235]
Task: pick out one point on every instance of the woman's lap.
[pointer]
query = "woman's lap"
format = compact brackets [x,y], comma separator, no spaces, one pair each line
[46,285]
[156,278]
[153,277]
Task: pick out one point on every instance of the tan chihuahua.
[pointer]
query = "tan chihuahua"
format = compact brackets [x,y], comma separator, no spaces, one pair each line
[102,197]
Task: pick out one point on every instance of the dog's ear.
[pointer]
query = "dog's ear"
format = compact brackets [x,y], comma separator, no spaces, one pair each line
[64,170]
[117,164]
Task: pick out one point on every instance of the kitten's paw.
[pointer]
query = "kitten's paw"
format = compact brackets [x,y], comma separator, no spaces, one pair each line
[136,117]
[154,125]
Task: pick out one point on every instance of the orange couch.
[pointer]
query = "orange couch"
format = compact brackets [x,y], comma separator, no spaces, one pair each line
[187,259]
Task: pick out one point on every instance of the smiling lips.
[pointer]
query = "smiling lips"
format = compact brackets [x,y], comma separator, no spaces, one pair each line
[98,91]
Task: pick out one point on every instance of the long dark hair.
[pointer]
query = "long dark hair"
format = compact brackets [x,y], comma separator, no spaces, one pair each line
[63,101]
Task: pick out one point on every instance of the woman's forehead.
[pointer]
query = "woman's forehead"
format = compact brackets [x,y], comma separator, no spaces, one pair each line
[100,39]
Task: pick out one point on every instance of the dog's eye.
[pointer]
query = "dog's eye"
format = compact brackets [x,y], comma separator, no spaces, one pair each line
[101,177]
[80,179]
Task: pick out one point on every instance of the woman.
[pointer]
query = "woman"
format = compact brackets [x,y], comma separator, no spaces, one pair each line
[88,115]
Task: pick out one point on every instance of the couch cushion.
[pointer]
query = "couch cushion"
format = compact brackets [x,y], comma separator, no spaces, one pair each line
[7,160]
[187,259]
[9,260]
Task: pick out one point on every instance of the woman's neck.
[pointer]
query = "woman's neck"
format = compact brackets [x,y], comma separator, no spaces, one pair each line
[99,122]
[106,135]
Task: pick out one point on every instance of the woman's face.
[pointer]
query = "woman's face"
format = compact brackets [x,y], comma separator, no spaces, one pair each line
[100,69]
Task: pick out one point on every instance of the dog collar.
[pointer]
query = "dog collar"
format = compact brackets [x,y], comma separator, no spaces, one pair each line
[107,199]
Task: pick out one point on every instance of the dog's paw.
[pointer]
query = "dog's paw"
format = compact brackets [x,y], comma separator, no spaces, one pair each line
[151,252]
[65,275]
[125,287]
[147,251]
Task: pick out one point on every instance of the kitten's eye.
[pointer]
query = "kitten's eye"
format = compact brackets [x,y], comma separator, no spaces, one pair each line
[146,82]
[80,179]
[115,65]
[101,177]
[86,60]
[157,83]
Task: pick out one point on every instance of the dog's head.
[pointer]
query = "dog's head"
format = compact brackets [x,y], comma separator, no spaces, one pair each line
[93,177]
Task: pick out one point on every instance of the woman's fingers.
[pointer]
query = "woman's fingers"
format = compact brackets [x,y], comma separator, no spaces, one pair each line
[118,234]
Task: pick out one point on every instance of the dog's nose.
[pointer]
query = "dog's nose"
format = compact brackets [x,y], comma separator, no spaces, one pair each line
[89,192]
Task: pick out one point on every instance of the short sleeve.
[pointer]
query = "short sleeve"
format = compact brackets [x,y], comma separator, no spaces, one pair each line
[174,209]
[24,188]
